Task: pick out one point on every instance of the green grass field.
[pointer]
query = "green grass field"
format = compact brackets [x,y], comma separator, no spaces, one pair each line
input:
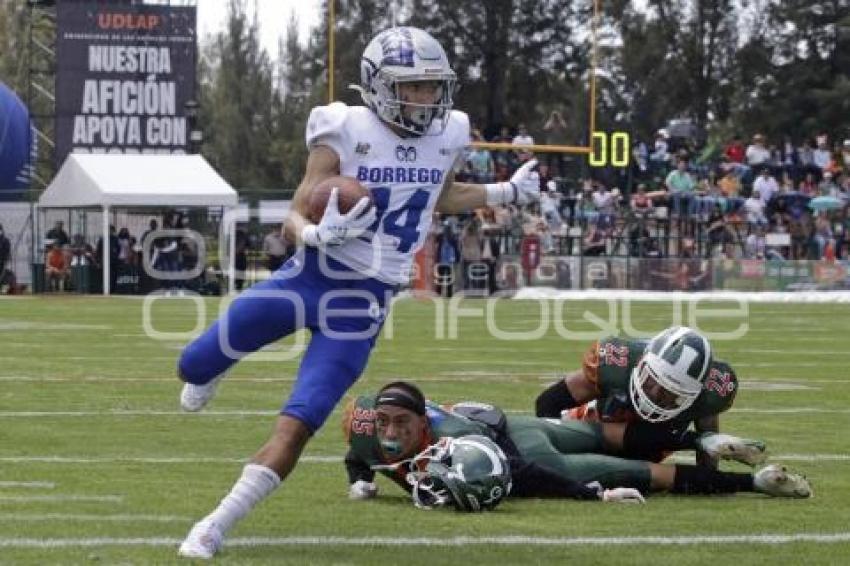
[97,464]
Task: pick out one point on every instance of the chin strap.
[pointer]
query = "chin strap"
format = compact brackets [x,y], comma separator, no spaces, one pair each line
[425,494]
[437,451]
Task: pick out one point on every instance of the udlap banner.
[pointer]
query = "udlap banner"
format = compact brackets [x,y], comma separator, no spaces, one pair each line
[124,74]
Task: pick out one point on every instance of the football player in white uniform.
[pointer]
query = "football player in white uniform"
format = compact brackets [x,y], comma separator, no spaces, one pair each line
[402,146]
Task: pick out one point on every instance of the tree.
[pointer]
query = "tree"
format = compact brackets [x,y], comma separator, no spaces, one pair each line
[796,69]
[293,105]
[675,60]
[237,102]
[516,59]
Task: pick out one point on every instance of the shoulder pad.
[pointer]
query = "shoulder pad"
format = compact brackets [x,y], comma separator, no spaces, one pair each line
[493,417]
[326,126]
[721,386]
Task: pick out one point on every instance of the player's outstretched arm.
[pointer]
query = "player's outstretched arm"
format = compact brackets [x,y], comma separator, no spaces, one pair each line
[572,390]
[361,478]
[523,188]
[322,162]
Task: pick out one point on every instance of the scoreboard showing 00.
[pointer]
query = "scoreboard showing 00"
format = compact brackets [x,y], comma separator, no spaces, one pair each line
[619,149]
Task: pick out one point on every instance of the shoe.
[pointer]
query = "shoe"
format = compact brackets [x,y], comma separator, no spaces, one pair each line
[728,447]
[777,481]
[203,541]
[193,397]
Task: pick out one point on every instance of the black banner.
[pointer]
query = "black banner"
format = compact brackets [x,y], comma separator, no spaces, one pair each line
[124,74]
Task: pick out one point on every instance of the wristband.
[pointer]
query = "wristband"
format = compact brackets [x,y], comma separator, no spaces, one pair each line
[500,193]
[310,235]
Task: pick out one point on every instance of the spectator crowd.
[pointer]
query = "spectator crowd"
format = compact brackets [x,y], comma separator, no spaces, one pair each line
[780,200]
[762,199]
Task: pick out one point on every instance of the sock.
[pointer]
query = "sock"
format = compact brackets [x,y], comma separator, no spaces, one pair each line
[645,441]
[692,479]
[255,484]
[553,400]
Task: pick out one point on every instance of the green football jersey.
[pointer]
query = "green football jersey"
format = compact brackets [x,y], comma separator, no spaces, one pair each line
[609,364]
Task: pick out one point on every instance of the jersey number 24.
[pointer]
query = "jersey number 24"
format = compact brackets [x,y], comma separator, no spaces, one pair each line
[406,232]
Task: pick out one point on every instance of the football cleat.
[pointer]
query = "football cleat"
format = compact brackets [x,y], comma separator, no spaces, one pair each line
[728,447]
[777,481]
[203,541]
[193,397]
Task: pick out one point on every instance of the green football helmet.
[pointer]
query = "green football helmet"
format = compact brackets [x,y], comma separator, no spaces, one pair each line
[471,472]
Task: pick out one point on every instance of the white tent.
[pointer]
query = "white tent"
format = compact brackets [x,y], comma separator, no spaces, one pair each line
[109,181]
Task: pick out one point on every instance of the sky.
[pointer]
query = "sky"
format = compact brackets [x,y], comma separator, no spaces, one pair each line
[273,17]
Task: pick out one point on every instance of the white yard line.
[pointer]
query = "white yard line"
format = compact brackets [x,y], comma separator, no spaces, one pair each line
[790,457]
[792,352]
[514,540]
[812,457]
[47,498]
[818,364]
[129,518]
[132,413]
[148,460]
[270,413]
[745,410]
[473,375]
[791,411]
[28,484]
[98,379]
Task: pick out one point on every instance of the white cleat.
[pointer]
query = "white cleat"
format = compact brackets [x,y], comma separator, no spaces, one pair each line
[203,541]
[777,481]
[728,447]
[193,397]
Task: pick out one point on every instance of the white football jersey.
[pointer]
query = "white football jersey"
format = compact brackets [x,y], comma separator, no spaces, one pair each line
[405,176]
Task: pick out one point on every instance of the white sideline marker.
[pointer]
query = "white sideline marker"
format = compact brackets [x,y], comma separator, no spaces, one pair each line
[768,539]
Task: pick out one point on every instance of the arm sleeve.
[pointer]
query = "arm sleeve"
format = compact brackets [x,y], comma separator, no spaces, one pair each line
[326,126]
[553,400]
[590,364]
[357,469]
[721,387]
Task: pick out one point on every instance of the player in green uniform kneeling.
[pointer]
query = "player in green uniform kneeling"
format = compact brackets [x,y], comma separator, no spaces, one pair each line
[399,433]
[650,393]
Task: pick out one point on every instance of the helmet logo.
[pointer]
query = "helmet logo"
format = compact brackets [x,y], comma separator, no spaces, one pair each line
[687,355]
[397,45]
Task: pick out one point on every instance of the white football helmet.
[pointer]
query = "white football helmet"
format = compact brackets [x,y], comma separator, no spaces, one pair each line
[678,360]
[406,54]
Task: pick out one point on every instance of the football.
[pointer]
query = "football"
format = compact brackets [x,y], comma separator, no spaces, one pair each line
[350,193]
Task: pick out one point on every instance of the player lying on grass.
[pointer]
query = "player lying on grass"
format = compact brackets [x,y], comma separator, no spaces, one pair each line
[656,390]
[395,430]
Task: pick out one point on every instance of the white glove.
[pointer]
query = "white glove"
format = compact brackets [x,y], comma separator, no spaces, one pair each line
[523,188]
[335,228]
[622,495]
[362,489]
